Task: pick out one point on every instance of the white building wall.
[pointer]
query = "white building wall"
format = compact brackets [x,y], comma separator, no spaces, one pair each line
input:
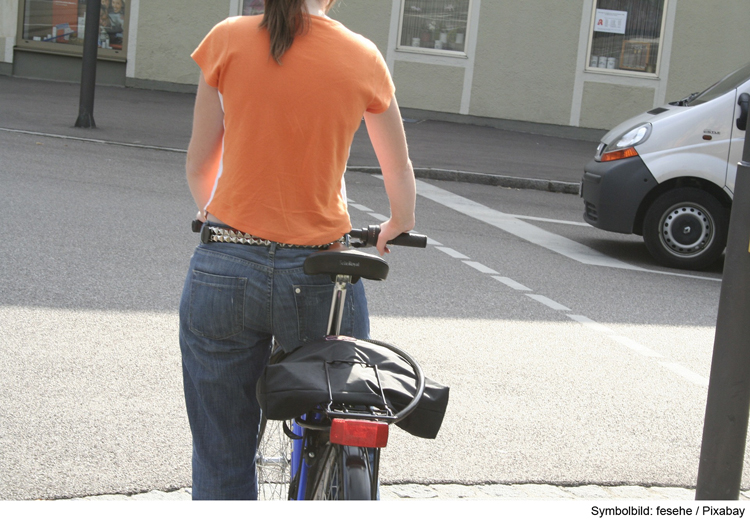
[8,28]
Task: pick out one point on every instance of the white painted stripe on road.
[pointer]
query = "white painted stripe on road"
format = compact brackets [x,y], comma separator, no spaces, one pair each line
[378,216]
[554,221]
[519,228]
[509,223]
[480,267]
[591,324]
[515,285]
[452,252]
[635,346]
[360,207]
[549,302]
[677,274]
[686,373]
[622,340]
[433,242]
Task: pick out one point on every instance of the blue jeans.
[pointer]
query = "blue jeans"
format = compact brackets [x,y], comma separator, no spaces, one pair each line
[235,300]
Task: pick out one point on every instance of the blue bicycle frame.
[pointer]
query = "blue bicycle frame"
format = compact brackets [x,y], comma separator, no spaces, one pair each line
[298,461]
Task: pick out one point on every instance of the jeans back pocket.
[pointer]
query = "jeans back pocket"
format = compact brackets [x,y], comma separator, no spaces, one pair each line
[217,305]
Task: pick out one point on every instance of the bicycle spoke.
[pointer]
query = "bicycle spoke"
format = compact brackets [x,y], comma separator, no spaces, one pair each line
[273,462]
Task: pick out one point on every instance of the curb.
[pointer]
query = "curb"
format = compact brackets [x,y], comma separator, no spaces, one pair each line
[514,182]
[526,491]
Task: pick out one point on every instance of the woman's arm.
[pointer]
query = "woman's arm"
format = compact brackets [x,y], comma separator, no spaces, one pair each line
[386,132]
[204,152]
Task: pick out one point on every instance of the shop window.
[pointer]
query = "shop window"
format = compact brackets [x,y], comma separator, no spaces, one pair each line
[58,25]
[626,35]
[252,7]
[434,26]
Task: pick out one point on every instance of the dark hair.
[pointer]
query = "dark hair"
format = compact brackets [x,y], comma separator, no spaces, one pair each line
[284,20]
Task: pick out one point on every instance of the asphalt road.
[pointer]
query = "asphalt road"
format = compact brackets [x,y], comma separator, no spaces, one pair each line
[572,358]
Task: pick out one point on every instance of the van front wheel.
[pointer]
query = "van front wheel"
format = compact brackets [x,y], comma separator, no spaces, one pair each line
[686,228]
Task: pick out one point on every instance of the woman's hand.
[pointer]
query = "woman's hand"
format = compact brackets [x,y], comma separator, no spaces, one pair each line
[390,230]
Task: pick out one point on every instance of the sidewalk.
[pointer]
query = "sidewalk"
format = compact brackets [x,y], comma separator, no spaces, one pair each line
[439,150]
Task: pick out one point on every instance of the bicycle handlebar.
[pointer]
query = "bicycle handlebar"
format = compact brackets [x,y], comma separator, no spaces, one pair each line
[369,237]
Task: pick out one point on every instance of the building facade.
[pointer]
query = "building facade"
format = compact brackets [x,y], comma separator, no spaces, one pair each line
[562,65]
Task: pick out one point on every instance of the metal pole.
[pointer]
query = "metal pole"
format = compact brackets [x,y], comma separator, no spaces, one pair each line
[728,403]
[88,65]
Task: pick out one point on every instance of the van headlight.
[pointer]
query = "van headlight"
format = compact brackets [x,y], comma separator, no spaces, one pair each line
[624,146]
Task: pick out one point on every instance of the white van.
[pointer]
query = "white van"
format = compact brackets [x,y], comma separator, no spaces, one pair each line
[668,174]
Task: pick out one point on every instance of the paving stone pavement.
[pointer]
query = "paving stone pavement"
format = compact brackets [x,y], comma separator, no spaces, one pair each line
[476,492]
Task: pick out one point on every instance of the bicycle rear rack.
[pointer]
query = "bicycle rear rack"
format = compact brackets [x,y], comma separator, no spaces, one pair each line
[339,410]
[344,411]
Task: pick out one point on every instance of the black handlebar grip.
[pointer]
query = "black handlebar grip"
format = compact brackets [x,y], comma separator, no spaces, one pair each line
[369,237]
[410,239]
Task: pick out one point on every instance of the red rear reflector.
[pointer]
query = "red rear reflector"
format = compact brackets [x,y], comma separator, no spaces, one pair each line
[354,432]
[619,155]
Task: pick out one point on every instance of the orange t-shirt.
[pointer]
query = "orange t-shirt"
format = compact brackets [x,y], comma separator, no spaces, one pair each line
[288,128]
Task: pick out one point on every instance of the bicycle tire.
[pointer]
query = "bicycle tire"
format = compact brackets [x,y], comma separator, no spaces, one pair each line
[345,474]
[273,461]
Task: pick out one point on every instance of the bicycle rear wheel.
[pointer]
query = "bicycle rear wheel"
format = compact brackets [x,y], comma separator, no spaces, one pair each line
[345,474]
[273,461]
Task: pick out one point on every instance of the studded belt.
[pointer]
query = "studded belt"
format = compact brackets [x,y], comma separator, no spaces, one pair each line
[218,234]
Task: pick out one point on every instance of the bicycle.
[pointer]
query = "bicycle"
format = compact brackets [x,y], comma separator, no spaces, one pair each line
[332,451]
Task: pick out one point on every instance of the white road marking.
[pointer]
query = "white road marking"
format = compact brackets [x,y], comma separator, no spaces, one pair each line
[519,228]
[677,274]
[554,221]
[544,300]
[378,216]
[480,267]
[452,252]
[686,373]
[681,370]
[515,285]
[635,346]
[591,324]
[360,207]
[510,224]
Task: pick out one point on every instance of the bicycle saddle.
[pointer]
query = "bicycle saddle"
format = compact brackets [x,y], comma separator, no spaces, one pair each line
[340,260]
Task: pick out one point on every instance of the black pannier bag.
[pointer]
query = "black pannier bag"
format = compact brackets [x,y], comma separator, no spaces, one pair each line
[298,382]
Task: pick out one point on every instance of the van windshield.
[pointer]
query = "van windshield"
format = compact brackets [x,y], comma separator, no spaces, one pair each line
[730,82]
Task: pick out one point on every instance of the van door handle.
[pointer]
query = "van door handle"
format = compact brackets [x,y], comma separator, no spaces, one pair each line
[743,101]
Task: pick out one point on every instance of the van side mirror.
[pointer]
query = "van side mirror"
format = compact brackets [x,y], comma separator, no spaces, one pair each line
[743,101]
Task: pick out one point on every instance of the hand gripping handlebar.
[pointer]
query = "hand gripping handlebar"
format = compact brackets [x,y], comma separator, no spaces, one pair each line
[369,237]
